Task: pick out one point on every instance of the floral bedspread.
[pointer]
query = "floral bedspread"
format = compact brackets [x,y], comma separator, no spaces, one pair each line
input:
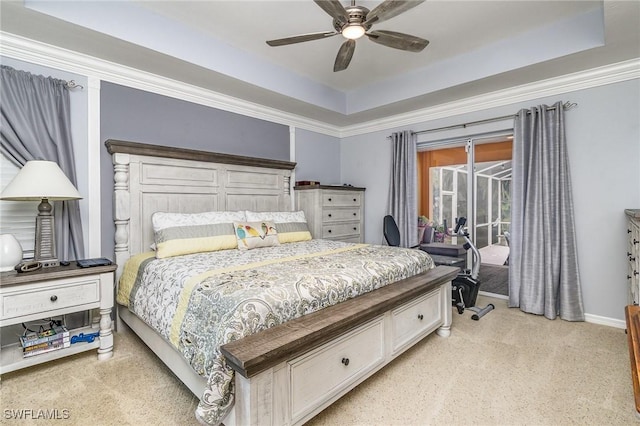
[201,301]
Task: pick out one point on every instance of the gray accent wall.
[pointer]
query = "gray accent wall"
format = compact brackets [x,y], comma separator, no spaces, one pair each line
[317,157]
[603,138]
[139,116]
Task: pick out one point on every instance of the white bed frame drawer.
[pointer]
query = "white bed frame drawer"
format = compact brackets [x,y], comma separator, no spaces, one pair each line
[60,295]
[323,373]
[415,318]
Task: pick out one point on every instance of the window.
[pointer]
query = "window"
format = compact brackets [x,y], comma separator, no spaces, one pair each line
[17,217]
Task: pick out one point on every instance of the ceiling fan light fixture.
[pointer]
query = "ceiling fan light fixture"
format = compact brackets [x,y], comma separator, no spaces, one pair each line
[353,31]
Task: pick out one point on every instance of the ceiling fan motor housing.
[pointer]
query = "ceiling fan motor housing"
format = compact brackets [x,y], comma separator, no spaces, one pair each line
[357,15]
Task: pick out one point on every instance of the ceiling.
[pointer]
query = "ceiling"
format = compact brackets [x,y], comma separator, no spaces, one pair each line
[475,47]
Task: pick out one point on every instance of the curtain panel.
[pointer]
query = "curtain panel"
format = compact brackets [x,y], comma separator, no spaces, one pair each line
[35,124]
[403,198]
[543,263]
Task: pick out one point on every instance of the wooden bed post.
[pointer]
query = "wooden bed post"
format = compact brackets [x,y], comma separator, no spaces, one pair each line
[121,213]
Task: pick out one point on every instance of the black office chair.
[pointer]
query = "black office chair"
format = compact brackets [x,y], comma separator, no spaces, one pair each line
[391,231]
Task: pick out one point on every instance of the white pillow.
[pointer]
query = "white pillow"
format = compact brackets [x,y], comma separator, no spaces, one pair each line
[176,234]
[163,220]
[276,217]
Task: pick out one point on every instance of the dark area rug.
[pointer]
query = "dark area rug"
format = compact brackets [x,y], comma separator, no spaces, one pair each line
[494,279]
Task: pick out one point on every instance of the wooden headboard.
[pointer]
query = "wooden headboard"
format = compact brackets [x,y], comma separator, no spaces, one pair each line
[149,178]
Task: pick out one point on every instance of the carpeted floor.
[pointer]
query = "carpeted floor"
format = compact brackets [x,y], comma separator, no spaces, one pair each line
[494,279]
[509,368]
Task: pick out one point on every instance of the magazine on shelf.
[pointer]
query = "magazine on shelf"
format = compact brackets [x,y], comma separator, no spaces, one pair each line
[34,338]
[53,347]
[48,344]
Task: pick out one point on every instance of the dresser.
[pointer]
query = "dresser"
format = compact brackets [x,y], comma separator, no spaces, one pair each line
[54,292]
[333,212]
[633,255]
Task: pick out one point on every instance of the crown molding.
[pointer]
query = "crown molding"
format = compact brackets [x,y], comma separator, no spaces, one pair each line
[28,50]
[609,74]
[39,53]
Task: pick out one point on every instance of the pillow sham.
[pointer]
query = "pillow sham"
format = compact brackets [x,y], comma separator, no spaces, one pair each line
[292,226]
[186,233]
[252,235]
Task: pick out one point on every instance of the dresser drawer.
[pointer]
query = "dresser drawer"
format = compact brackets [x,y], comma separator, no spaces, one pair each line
[48,298]
[340,229]
[323,373]
[340,199]
[330,215]
[414,318]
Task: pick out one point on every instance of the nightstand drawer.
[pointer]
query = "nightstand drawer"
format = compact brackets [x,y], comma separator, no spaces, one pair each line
[340,214]
[340,198]
[340,230]
[43,299]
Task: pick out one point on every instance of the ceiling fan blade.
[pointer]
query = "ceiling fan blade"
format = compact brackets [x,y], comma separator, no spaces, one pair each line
[390,8]
[344,55]
[398,40]
[335,9]
[300,38]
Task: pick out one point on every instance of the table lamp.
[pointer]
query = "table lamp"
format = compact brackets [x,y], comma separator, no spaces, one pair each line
[42,181]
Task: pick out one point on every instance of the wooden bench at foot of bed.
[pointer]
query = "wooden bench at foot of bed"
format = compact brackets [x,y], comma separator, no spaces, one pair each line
[289,373]
[632,314]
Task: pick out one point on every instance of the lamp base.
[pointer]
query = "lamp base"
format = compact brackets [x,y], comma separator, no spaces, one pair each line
[45,249]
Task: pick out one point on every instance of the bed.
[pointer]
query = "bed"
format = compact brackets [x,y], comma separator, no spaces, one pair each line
[290,325]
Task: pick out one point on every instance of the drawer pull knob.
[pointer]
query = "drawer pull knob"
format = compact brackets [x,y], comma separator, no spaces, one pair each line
[635,241]
[329,231]
[355,229]
[420,317]
[635,273]
[345,361]
[329,215]
[355,214]
[354,200]
[628,277]
[53,298]
[329,199]
[628,231]
[633,259]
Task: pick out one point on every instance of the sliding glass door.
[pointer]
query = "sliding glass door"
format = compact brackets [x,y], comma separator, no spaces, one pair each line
[470,178]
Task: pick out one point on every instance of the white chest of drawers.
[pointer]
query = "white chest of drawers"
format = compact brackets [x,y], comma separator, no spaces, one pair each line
[633,255]
[54,292]
[333,212]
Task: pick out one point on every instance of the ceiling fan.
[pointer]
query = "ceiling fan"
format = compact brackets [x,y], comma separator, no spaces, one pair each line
[354,22]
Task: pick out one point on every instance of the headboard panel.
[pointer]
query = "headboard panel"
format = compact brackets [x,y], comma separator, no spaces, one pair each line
[150,178]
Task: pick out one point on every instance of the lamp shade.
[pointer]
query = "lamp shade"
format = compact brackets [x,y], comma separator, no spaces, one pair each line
[39,180]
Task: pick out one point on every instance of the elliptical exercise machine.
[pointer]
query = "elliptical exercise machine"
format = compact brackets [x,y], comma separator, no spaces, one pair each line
[464,288]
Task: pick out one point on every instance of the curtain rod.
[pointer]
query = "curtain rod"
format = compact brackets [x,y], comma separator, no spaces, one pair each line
[71,84]
[567,105]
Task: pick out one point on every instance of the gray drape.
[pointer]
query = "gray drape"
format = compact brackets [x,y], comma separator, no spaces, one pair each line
[403,199]
[35,124]
[543,261]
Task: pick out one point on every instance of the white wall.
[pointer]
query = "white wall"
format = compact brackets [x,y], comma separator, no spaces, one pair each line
[603,136]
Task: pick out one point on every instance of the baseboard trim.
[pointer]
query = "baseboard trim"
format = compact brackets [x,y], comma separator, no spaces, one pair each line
[611,322]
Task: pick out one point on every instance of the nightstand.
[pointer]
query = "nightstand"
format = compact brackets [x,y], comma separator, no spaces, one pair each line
[51,292]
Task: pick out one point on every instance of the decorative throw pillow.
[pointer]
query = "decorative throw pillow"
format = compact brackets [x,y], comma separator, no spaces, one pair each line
[186,233]
[292,226]
[252,235]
